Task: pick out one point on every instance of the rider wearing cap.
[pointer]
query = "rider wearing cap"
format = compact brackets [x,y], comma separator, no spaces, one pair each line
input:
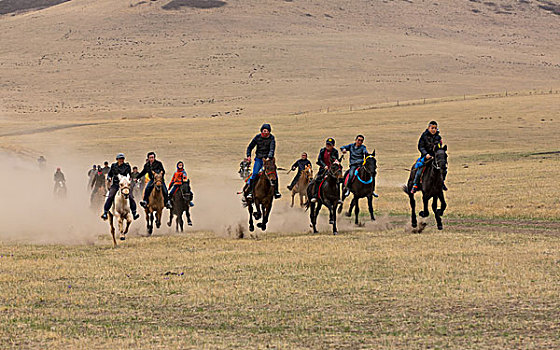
[153,166]
[327,155]
[266,145]
[118,168]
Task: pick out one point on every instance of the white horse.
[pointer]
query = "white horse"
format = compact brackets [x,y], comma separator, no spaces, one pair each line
[121,209]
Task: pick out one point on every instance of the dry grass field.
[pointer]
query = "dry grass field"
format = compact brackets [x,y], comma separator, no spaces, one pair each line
[84,80]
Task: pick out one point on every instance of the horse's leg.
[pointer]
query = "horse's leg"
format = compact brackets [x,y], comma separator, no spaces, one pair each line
[150,219]
[188,213]
[436,212]
[330,208]
[266,213]
[293,195]
[332,216]
[179,222]
[425,213]
[312,216]
[120,222]
[414,222]
[356,200]
[250,208]
[128,222]
[352,204]
[443,204]
[112,229]
[158,217]
[170,218]
[370,206]
[334,228]
[257,213]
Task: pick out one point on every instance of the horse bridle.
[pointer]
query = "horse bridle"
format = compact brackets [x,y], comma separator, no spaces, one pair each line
[364,165]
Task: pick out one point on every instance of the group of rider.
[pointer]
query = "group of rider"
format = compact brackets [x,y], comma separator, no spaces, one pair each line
[265,144]
[151,167]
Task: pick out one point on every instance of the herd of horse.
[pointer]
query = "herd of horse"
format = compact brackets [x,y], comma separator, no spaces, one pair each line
[362,186]
[260,206]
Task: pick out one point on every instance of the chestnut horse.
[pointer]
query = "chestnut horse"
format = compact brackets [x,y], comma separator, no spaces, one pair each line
[263,195]
[301,186]
[155,203]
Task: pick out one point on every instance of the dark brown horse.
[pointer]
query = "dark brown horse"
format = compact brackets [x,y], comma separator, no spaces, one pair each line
[328,195]
[180,204]
[431,187]
[263,195]
[363,187]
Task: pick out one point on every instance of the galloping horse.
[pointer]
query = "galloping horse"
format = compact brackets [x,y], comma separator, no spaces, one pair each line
[301,186]
[263,195]
[329,195]
[180,204]
[363,186]
[121,209]
[155,203]
[98,192]
[431,187]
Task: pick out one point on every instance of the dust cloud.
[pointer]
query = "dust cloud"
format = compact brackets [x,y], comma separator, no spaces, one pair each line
[32,214]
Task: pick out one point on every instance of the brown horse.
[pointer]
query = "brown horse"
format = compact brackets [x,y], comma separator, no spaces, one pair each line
[263,195]
[155,203]
[301,186]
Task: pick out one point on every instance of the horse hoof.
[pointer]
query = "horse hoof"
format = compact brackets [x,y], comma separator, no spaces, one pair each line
[189,223]
[259,225]
[414,225]
[424,214]
[372,219]
[169,224]
[263,227]
[440,227]
[348,215]
[251,228]
[331,222]
[122,238]
[335,233]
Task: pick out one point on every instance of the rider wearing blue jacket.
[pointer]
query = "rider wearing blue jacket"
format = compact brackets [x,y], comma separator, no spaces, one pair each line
[358,153]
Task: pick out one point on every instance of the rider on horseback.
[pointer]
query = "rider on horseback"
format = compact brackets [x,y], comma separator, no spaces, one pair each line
[358,153]
[59,177]
[266,144]
[153,166]
[426,145]
[327,155]
[300,165]
[178,179]
[116,169]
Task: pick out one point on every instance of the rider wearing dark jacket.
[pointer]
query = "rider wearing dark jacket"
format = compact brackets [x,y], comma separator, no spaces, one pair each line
[327,155]
[266,145]
[118,168]
[429,139]
[153,166]
[300,165]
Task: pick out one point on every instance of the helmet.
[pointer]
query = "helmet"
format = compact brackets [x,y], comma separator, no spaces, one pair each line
[120,156]
[330,141]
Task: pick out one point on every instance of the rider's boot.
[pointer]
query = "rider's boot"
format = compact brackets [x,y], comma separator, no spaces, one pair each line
[104,215]
[277,194]
[250,190]
[416,180]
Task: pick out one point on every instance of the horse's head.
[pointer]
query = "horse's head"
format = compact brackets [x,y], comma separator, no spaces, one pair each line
[124,185]
[186,191]
[308,172]
[335,170]
[370,164]
[440,159]
[158,180]
[270,169]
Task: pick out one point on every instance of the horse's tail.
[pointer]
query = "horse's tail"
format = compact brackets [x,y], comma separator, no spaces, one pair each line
[405,189]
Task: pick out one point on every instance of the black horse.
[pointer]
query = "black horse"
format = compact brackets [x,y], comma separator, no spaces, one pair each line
[181,204]
[363,187]
[431,186]
[329,195]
